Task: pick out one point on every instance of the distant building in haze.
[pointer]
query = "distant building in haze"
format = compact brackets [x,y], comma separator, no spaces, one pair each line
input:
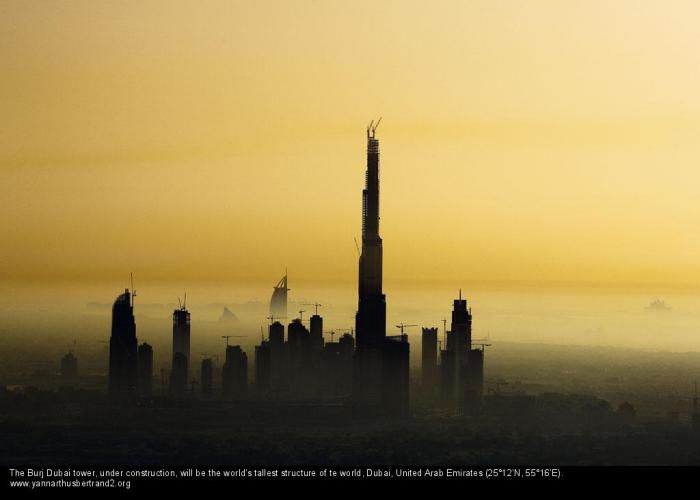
[207,376]
[278,301]
[69,366]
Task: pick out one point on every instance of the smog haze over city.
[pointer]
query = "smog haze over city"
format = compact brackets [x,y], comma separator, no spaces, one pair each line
[490,208]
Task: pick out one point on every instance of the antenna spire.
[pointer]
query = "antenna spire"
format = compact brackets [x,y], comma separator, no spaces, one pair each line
[133,291]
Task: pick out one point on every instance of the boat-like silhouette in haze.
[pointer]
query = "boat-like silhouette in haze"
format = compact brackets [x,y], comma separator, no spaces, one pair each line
[657,305]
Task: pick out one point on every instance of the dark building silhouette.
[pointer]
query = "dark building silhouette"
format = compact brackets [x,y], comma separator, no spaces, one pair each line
[69,366]
[181,351]
[181,333]
[429,359]
[395,375]
[347,344]
[370,319]
[207,376]
[276,334]
[234,375]
[178,374]
[305,367]
[278,301]
[123,370]
[461,368]
[278,359]
[336,368]
[145,369]
[316,333]
[372,382]
[262,368]
[300,358]
[297,340]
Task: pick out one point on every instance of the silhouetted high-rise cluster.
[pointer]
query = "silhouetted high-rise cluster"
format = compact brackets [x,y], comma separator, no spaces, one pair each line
[304,366]
[370,370]
[461,368]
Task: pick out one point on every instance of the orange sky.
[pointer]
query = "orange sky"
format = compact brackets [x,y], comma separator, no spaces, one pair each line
[529,141]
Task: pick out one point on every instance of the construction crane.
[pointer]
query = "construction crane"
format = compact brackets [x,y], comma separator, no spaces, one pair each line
[331,333]
[273,318]
[231,337]
[402,326]
[183,304]
[372,128]
[316,306]
[301,315]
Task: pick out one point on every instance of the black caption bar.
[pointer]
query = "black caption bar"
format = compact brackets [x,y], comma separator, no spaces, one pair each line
[132,478]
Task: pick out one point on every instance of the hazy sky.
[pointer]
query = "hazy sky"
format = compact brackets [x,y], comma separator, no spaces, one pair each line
[527,141]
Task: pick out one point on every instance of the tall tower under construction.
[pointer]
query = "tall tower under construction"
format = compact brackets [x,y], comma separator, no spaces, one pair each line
[370,320]
[380,368]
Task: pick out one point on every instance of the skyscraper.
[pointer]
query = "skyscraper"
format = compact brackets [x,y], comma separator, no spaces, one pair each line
[178,374]
[123,369]
[461,368]
[370,320]
[145,369]
[234,374]
[181,333]
[207,376]
[429,358]
[380,367]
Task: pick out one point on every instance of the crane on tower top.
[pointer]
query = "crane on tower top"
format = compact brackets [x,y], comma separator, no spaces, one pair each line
[372,128]
[316,306]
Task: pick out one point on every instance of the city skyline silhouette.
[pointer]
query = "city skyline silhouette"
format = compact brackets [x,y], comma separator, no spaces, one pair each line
[390,240]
